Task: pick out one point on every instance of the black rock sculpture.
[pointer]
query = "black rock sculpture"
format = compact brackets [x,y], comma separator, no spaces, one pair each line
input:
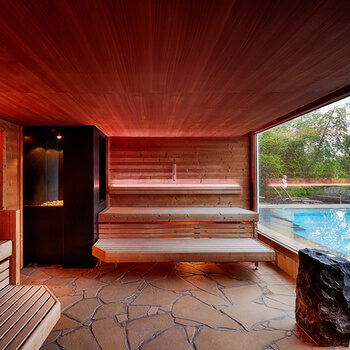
[323,297]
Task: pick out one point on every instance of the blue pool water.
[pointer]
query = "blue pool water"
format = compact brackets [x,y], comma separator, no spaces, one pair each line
[328,227]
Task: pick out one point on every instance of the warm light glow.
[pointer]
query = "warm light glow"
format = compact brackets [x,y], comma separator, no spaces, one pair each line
[59,137]
[119,183]
[308,182]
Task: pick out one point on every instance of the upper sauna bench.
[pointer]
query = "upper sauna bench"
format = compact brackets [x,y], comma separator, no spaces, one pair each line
[176,214]
[175,189]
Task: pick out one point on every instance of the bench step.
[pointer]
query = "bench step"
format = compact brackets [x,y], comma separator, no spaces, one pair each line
[181,249]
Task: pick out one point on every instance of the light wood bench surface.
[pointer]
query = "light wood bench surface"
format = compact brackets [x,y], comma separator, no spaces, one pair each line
[176,214]
[27,313]
[160,234]
[181,249]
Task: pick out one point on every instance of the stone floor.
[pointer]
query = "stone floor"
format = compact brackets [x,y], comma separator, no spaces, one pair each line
[182,306]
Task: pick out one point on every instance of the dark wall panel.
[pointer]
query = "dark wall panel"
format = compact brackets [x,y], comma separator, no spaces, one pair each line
[81,194]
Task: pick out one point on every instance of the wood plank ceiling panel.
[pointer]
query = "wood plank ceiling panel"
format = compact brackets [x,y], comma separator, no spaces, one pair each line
[169,68]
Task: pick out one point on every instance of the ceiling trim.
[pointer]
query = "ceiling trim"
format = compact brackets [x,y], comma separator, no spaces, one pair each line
[323,101]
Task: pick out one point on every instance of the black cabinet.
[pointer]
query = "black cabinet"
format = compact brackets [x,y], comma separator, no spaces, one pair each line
[43,235]
[82,175]
[64,190]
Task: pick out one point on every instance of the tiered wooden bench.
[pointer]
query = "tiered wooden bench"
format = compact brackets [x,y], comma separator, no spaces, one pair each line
[159,234]
[27,313]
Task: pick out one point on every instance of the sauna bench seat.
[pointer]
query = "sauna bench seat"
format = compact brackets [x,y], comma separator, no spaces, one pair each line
[27,313]
[176,214]
[160,234]
[175,189]
[181,249]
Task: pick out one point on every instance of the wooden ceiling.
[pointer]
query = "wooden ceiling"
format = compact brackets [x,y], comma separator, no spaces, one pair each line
[169,67]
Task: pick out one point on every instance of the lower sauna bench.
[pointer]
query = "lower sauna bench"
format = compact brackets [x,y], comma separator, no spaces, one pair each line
[181,249]
[161,234]
[27,313]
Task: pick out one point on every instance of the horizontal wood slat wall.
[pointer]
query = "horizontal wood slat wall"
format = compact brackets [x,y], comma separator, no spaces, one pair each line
[177,230]
[11,185]
[11,181]
[198,160]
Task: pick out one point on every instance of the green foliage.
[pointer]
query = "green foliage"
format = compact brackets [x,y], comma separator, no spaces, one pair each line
[315,145]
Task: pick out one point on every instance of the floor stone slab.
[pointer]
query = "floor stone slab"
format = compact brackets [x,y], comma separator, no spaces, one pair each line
[118,292]
[291,342]
[281,290]
[122,318]
[49,347]
[172,339]
[109,310]
[83,310]
[173,282]
[137,311]
[52,336]
[65,323]
[190,332]
[62,291]
[59,281]
[39,276]
[155,296]
[204,283]
[109,335]
[191,309]
[209,298]
[209,268]
[83,283]
[286,324]
[251,314]
[68,300]
[187,322]
[209,339]
[276,304]
[110,276]
[80,339]
[144,328]
[285,299]
[226,280]
[127,306]
[242,294]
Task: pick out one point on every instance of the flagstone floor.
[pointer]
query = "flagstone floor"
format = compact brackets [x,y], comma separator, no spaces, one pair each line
[198,306]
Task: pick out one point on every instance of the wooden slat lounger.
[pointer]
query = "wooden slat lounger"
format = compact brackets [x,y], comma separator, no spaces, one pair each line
[175,234]
[27,313]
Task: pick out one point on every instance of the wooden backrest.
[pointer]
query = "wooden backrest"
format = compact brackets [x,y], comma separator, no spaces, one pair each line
[177,229]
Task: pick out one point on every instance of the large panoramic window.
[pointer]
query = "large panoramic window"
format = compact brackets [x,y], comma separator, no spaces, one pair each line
[304,180]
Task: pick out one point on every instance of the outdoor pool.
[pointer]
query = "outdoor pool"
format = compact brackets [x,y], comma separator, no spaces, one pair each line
[327,227]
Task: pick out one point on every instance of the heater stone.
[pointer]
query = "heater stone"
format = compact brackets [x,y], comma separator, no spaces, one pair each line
[323,297]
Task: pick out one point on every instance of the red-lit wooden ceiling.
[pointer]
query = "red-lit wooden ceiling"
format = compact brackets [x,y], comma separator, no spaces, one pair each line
[169,68]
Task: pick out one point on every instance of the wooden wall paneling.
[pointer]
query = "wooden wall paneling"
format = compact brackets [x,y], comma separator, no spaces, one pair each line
[10,221]
[198,161]
[107,168]
[1,167]
[20,176]
[11,165]
[12,177]
[128,66]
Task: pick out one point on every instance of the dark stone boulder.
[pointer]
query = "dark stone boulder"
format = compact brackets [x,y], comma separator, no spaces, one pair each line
[323,297]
